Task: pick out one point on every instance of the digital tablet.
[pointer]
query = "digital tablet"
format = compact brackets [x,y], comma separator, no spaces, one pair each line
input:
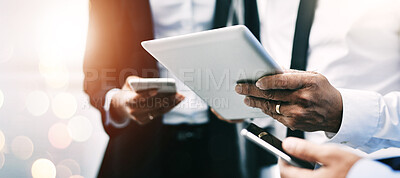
[272,144]
[212,62]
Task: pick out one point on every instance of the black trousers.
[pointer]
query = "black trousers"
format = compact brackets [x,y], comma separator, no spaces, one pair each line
[208,150]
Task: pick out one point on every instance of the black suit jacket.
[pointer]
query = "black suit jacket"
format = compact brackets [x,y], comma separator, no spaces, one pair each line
[113,53]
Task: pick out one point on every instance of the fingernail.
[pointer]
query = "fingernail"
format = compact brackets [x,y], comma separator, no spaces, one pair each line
[247,101]
[180,97]
[259,84]
[153,92]
[239,88]
[289,144]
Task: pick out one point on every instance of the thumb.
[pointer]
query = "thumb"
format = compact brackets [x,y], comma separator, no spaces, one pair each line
[305,150]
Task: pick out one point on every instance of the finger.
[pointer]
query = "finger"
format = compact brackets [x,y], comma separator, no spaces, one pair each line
[282,162]
[232,121]
[308,151]
[289,110]
[159,101]
[267,105]
[162,110]
[252,90]
[269,108]
[142,118]
[217,114]
[289,171]
[291,81]
[126,85]
[145,117]
[150,98]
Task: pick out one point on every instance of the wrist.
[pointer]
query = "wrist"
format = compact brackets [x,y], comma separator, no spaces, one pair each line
[117,109]
[117,116]
[337,114]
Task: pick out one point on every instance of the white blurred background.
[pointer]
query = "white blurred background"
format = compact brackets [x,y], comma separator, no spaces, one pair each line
[47,127]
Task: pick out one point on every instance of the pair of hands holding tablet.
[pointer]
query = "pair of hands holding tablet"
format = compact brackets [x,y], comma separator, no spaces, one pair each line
[142,107]
[300,100]
[143,100]
[307,101]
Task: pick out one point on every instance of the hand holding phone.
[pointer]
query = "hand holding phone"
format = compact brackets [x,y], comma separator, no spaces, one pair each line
[273,145]
[143,100]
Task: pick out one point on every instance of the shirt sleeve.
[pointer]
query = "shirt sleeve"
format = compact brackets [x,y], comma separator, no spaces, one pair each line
[367,168]
[109,119]
[370,121]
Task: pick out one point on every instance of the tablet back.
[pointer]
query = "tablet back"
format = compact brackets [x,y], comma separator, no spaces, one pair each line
[212,62]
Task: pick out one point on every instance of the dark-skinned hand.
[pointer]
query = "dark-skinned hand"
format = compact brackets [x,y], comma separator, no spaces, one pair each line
[307,100]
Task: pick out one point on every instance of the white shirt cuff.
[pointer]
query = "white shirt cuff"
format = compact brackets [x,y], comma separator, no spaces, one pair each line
[107,104]
[367,168]
[360,118]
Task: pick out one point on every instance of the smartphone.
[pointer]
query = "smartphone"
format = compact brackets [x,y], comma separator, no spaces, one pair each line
[163,85]
[273,145]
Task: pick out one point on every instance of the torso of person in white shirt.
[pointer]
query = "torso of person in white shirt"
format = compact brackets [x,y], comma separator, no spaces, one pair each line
[179,17]
[354,43]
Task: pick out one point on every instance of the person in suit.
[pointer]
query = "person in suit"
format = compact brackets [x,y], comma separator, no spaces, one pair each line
[168,140]
[353,93]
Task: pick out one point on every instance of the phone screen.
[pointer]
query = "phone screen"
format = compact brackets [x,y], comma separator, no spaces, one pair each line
[275,142]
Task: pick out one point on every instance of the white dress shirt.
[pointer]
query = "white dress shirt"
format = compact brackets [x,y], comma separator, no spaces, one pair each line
[172,18]
[179,17]
[356,45]
[366,168]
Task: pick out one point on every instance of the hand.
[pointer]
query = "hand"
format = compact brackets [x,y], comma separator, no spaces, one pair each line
[336,162]
[307,100]
[143,106]
[226,120]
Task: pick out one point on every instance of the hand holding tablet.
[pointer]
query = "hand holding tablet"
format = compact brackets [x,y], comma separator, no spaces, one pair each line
[212,62]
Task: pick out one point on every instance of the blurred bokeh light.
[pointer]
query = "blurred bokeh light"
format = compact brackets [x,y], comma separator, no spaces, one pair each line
[64,105]
[43,168]
[72,165]
[2,160]
[80,128]
[1,99]
[2,141]
[58,136]
[22,147]
[37,103]
[63,171]
[45,116]
[55,73]
[76,176]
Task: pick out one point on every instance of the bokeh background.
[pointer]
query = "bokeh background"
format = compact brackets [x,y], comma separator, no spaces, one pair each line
[47,127]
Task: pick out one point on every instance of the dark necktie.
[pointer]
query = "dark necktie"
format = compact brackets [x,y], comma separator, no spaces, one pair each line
[305,17]
[394,163]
